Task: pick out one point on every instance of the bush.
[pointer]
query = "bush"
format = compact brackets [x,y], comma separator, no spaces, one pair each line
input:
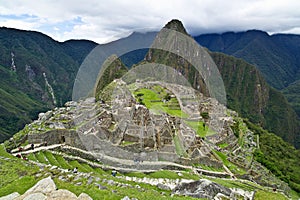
[205,115]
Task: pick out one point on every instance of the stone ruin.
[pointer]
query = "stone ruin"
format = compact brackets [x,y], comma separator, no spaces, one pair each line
[122,127]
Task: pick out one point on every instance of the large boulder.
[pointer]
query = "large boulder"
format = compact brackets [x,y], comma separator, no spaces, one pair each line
[201,189]
[10,196]
[46,189]
[44,186]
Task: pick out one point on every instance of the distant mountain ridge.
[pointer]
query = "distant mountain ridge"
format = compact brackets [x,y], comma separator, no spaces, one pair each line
[247,93]
[60,62]
[276,56]
[28,60]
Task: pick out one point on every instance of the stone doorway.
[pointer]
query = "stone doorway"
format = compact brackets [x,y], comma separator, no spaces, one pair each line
[63,139]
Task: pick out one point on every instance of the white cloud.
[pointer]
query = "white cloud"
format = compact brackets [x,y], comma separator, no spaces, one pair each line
[18,24]
[102,21]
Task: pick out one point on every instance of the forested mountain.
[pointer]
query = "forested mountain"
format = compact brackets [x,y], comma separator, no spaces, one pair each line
[37,73]
[34,53]
[247,91]
[276,56]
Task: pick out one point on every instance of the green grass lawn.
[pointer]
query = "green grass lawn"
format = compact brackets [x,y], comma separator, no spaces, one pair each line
[100,171]
[223,145]
[32,157]
[41,157]
[52,160]
[15,174]
[18,175]
[81,168]
[179,147]
[62,162]
[209,168]
[261,194]
[125,143]
[236,184]
[87,166]
[199,128]
[232,167]
[153,100]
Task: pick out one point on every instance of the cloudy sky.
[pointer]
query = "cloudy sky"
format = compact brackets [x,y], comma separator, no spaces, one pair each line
[106,20]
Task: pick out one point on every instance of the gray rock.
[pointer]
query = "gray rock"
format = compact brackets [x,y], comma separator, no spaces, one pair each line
[70,175]
[10,196]
[62,194]
[79,183]
[201,189]
[84,196]
[35,196]
[77,177]
[41,115]
[110,182]
[125,198]
[71,104]
[46,189]
[90,180]
[90,100]
[163,187]
[38,175]
[101,187]
[53,167]
[45,186]
[62,178]
[97,179]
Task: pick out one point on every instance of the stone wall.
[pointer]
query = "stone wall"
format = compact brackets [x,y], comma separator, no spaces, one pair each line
[165,156]
[57,136]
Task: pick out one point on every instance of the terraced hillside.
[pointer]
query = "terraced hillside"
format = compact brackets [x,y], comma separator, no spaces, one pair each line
[224,157]
[96,180]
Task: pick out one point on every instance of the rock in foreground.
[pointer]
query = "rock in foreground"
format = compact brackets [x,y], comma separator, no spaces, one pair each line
[46,189]
[201,189]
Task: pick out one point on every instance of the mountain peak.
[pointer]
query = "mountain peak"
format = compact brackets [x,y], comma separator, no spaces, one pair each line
[176,25]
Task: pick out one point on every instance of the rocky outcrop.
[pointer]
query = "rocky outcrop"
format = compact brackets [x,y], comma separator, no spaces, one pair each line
[207,189]
[201,189]
[10,196]
[46,189]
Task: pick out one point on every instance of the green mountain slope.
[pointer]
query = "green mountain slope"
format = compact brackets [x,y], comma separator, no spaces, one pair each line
[250,95]
[293,95]
[33,66]
[278,156]
[60,62]
[247,91]
[112,69]
[16,107]
[78,49]
[276,56]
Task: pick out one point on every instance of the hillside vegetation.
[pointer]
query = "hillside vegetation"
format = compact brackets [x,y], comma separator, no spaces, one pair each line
[278,156]
[60,62]
[249,95]
[27,59]
[276,56]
